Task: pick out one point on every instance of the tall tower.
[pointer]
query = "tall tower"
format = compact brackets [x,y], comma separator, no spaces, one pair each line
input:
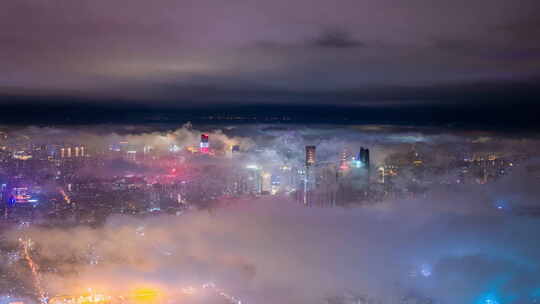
[205,147]
[365,164]
[344,160]
[310,156]
[308,176]
[363,157]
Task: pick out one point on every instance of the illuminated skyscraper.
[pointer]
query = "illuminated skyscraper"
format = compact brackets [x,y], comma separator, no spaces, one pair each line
[309,180]
[204,145]
[363,157]
[69,151]
[344,160]
[254,179]
[310,156]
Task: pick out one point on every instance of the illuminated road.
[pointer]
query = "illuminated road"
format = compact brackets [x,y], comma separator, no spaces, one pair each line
[26,247]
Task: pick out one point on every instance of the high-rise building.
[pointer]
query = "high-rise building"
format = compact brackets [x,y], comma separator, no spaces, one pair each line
[131,155]
[204,145]
[254,179]
[234,151]
[353,183]
[309,177]
[266,182]
[69,151]
[344,159]
[310,156]
[363,157]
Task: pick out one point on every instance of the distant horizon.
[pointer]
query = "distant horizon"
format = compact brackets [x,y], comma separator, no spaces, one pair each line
[503,117]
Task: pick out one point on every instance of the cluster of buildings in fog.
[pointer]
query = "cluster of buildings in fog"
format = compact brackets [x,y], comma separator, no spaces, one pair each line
[80,182]
[51,182]
[354,179]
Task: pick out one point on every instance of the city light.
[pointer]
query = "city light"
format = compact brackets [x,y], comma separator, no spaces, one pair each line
[489,298]
[426,270]
[149,211]
[89,298]
[145,295]
[26,245]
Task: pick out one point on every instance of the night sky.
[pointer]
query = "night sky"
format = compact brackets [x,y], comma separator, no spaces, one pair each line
[376,54]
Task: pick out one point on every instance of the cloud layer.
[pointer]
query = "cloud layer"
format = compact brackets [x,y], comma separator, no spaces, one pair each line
[187,51]
[452,246]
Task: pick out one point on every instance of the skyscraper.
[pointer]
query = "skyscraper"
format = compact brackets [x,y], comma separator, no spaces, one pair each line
[308,174]
[363,157]
[344,160]
[310,156]
[204,145]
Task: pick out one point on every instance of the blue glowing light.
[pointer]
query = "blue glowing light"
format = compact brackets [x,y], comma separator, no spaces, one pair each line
[501,204]
[489,298]
[425,270]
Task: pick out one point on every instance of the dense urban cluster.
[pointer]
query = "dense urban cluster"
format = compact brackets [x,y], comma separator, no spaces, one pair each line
[77,182]
[62,183]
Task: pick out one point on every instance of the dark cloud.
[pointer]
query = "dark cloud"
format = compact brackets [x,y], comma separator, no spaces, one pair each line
[525,26]
[337,39]
[198,52]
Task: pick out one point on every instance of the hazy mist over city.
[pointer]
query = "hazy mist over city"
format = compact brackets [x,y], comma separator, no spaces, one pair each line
[246,214]
[269,152]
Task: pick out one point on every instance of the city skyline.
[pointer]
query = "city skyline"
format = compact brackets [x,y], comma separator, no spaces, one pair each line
[349,187]
[269,152]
